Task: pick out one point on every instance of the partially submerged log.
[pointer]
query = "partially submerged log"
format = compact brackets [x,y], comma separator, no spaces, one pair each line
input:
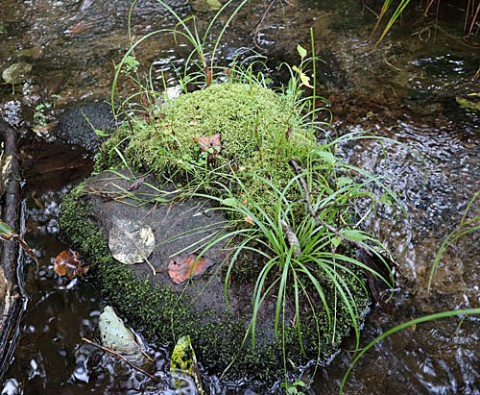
[11,284]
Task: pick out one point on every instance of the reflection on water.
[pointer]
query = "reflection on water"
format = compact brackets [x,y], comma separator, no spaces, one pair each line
[440,357]
[404,92]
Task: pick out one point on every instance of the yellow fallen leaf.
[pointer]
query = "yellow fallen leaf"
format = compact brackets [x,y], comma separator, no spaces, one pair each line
[248,219]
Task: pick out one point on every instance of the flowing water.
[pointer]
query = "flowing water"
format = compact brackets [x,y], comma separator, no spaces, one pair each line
[405,90]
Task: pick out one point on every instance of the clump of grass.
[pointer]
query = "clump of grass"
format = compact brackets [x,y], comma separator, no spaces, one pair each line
[472,12]
[307,245]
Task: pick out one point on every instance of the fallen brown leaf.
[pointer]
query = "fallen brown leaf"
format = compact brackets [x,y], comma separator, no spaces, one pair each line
[211,144]
[67,263]
[185,266]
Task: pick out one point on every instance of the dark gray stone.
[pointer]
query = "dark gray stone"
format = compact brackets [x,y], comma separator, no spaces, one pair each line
[77,125]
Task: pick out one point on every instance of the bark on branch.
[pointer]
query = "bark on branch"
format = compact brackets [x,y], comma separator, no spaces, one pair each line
[11,290]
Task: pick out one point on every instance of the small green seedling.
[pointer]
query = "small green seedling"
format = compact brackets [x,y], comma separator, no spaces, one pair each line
[7,233]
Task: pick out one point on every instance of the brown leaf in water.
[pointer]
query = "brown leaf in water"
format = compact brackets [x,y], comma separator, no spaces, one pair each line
[80,27]
[183,267]
[43,130]
[67,263]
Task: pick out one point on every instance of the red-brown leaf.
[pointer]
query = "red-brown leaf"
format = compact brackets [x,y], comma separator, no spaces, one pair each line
[211,144]
[206,142]
[136,184]
[67,263]
[183,267]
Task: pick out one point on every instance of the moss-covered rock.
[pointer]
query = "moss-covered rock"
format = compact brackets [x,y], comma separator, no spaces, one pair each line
[166,311]
[259,131]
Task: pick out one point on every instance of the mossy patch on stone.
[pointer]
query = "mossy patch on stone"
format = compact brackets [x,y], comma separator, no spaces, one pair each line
[260,131]
[166,312]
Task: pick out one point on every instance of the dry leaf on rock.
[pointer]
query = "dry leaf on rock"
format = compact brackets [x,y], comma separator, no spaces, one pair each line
[136,184]
[130,241]
[183,267]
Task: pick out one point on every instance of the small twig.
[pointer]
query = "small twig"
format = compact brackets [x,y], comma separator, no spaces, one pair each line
[110,351]
[292,162]
[257,28]
[27,249]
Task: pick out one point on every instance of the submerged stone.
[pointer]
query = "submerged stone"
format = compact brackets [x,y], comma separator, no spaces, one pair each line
[82,125]
[16,73]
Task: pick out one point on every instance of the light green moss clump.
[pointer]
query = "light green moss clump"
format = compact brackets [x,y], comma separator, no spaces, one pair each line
[260,131]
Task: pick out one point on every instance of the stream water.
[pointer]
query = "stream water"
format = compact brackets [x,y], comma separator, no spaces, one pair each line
[405,89]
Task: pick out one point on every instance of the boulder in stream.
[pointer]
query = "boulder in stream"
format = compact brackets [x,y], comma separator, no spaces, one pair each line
[186,285]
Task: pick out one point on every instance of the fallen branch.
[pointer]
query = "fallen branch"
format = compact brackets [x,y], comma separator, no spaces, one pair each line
[7,233]
[12,289]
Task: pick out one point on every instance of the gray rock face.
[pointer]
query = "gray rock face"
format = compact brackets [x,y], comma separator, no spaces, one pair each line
[164,294]
[77,126]
[181,229]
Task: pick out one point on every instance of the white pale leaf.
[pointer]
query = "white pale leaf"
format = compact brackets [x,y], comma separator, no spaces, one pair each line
[115,334]
[130,242]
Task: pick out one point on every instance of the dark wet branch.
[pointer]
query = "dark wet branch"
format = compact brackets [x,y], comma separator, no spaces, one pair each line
[11,207]
[116,354]
[11,303]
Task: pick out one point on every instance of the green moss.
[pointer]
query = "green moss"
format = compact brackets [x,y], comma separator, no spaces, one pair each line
[164,314]
[78,223]
[260,131]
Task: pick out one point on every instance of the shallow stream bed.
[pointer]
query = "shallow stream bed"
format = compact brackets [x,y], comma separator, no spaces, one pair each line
[406,90]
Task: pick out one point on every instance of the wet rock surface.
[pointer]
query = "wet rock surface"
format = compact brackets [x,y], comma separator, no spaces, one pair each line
[180,287]
[77,125]
[371,88]
[181,228]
